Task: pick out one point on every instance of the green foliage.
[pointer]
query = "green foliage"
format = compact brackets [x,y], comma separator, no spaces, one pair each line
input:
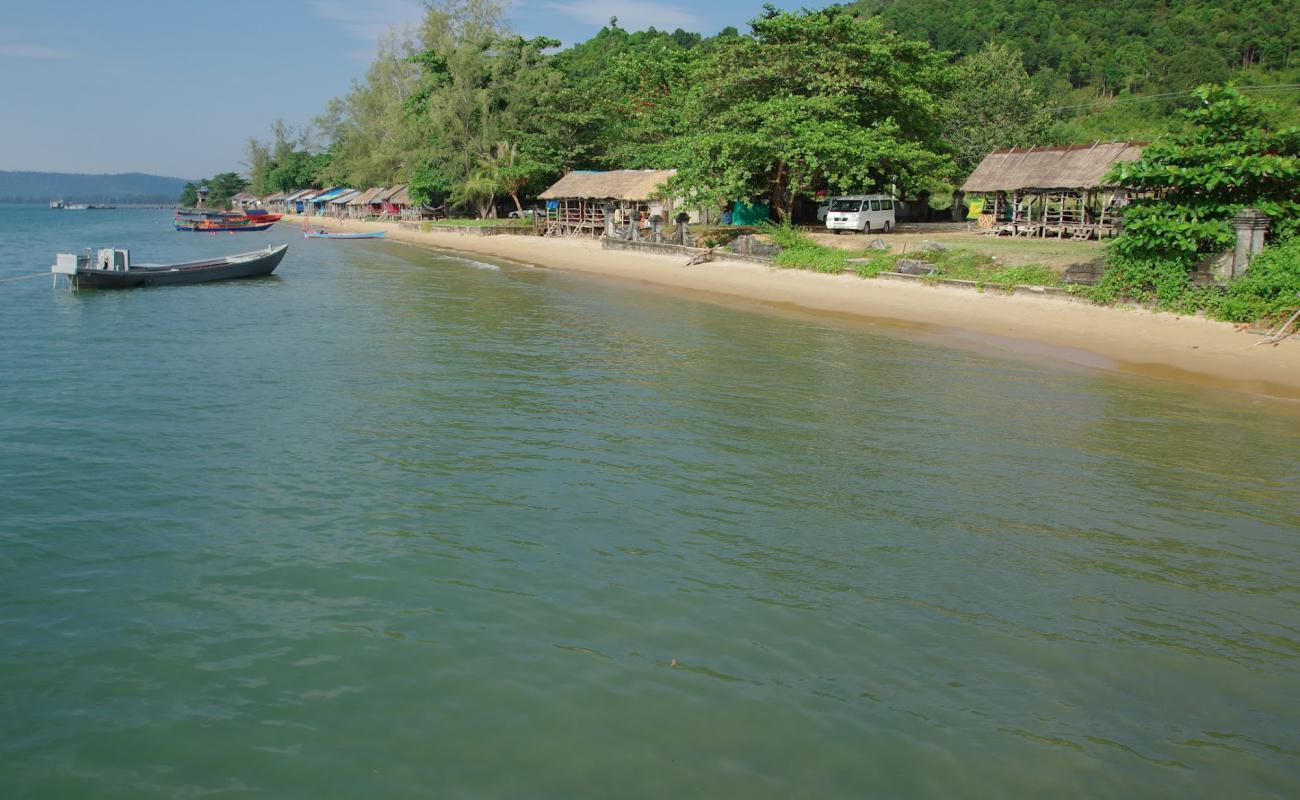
[1228,159]
[994,104]
[815,99]
[1110,47]
[221,187]
[1269,290]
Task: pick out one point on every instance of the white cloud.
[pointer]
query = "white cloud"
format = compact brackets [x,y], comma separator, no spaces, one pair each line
[631,15]
[36,51]
[370,20]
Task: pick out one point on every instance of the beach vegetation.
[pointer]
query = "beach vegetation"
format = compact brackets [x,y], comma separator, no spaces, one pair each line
[1231,156]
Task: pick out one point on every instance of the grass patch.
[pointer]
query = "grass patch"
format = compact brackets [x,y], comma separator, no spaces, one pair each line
[800,251]
[474,222]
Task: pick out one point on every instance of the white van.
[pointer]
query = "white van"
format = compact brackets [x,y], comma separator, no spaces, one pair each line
[861,212]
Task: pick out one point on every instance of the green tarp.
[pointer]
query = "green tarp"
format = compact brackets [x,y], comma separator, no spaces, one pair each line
[745,214]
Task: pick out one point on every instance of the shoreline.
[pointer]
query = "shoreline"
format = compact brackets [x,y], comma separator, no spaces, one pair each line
[1127,340]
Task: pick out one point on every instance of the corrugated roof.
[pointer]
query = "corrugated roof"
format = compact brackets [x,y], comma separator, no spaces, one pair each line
[367,197]
[619,184]
[1073,167]
[325,197]
[343,199]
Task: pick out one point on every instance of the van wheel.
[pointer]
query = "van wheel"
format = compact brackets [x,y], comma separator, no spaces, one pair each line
[866,227]
[887,226]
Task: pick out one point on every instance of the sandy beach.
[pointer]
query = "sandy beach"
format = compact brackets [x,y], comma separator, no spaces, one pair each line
[1137,341]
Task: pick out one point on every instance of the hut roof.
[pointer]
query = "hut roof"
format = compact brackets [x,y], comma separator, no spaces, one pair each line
[244,197]
[387,195]
[366,197]
[619,184]
[1072,167]
[274,198]
[400,197]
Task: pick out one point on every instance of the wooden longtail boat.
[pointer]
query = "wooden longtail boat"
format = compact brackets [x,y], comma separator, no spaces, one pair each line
[111,268]
[319,234]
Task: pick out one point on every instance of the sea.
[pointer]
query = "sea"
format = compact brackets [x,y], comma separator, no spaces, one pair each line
[398,523]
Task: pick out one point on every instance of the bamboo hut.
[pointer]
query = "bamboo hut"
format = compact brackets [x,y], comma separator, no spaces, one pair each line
[365,204]
[390,202]
[1058,192]
[576,204]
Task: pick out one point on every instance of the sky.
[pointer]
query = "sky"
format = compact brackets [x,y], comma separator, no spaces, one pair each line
[177,88]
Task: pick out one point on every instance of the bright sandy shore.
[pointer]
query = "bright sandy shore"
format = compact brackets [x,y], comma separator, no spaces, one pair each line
[1189,349]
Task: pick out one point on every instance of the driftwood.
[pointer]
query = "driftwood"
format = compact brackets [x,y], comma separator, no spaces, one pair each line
[707,255]
[1280,333]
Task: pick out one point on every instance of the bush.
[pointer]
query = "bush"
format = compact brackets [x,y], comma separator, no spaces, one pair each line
[1270,289]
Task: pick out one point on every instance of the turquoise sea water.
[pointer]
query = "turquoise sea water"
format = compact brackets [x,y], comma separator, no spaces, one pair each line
[396,524]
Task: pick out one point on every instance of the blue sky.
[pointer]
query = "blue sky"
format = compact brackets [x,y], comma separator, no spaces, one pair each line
[176,88]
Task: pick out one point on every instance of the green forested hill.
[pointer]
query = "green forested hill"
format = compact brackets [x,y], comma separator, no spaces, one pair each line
[130,187]
[1125,45]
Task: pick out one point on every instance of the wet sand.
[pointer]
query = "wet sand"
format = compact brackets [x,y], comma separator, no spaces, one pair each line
[1132,340]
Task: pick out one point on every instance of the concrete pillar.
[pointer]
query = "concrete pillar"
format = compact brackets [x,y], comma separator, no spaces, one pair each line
[608,208]
[634,226]
[657,226]
[680,232]
[1250,225]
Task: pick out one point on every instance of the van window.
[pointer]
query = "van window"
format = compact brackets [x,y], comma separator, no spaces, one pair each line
[886,205]
[875,205]
[849,206]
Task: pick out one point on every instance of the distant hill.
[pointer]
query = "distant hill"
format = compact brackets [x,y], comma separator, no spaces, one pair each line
[128,187]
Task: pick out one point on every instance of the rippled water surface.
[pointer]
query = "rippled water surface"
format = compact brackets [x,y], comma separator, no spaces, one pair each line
[396,524]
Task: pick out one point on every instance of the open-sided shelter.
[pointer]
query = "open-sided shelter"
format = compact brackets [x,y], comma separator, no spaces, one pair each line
[1053,191]
[576,203]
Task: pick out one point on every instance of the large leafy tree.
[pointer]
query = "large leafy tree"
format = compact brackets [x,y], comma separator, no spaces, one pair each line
[812,99]
[993,104]
[1231,157]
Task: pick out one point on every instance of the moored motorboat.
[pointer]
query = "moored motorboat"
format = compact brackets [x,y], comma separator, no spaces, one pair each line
[111,268]
[321,234]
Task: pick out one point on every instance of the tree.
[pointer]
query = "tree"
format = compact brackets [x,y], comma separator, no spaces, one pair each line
[1230,158]
[994,104]
[761,121]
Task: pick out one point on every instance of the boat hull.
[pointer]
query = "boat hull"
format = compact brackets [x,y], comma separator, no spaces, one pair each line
[323,235]
[251,265]
[225,228]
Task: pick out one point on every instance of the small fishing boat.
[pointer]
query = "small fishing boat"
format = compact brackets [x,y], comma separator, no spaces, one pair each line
[320,234]
[111,268]
[222,226]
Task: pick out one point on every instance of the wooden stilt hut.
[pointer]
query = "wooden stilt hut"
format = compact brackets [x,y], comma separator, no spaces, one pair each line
[576,203]
[1053,192]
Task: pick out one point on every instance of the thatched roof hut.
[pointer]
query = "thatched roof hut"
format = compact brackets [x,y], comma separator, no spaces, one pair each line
[575,204]
[367,197]
[1075,167]
[1053,191]
[619,184]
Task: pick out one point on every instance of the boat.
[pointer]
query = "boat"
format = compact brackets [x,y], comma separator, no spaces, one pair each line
[224,221]
[56,204]
[222,226]
[111,268]
[320,234]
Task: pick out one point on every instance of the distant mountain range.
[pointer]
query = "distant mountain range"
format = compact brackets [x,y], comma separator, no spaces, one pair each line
[71,187]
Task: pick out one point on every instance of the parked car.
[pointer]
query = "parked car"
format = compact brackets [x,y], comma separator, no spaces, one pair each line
[822,210]
[527,213]
[861,212]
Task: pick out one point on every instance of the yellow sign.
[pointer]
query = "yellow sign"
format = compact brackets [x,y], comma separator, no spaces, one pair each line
[976,208]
